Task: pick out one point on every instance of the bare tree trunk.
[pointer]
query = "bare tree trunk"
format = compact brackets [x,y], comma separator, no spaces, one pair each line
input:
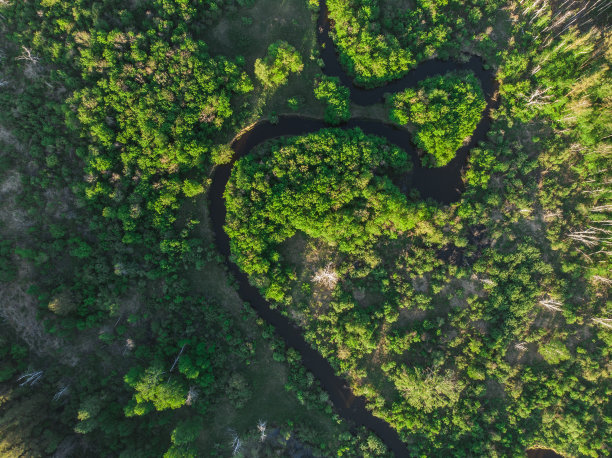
[63,390]
[607,322]
[30,378]
[261,426]
[551,304]
[27,56]
[177,358]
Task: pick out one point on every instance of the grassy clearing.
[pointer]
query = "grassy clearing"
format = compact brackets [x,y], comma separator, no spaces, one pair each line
[269,402]
[376,112]
[248,33]
[262,24]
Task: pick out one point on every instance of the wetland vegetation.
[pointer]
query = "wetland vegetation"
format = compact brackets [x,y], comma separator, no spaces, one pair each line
[435,288]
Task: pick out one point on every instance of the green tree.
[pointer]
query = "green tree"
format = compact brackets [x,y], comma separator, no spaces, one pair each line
[8,271]
[554,352]
[187,431]
[282,60]
[192,188]
[295,187]
[87,415]
[336,96]
[154,390]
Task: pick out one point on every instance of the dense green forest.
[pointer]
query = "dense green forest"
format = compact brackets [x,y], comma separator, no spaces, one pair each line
[381,40]
[323,185]
[444,111]
[481,327]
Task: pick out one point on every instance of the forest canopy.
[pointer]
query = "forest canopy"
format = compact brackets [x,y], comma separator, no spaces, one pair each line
[327,185]
[382,40]
[282,60]
[467,305]
[444,110]
[336,98]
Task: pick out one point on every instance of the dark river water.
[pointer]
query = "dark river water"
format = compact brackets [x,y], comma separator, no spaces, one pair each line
[442,184]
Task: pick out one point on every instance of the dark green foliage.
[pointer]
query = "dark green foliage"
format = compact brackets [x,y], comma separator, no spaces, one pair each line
[187,431]
[238,391]
[336,97]
[184,437]
[88,415]
[31,424]
[445,111]
[8,271]
[12,358]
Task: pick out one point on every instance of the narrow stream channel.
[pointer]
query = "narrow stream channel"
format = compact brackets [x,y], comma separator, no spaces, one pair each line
[442,184]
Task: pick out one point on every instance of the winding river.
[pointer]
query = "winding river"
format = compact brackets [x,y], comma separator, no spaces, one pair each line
[442,184]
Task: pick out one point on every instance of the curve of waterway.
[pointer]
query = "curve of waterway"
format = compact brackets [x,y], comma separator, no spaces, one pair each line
[443,184]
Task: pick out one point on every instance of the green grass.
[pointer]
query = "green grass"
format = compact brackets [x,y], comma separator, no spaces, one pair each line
[249,31]
[269,402]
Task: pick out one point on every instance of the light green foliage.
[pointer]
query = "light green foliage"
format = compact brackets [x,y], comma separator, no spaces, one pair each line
[294,103]
[336,97]
[370,59]
[373,447]
[282,60]
[192,188]
[427,390]
[322,184]
[444,109]
[154,390]
[62,303]
[222,154]
[182,451]
[165,103]
[554,352]
[188,368]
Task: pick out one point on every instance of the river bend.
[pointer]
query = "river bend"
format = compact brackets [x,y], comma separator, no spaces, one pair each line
[443,184]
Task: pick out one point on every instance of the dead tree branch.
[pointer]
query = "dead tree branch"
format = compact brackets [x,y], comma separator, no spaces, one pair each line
[326,277]
[30,378]
[551,304]
[261,426]
[607,322]
[27,56]
[177,358]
